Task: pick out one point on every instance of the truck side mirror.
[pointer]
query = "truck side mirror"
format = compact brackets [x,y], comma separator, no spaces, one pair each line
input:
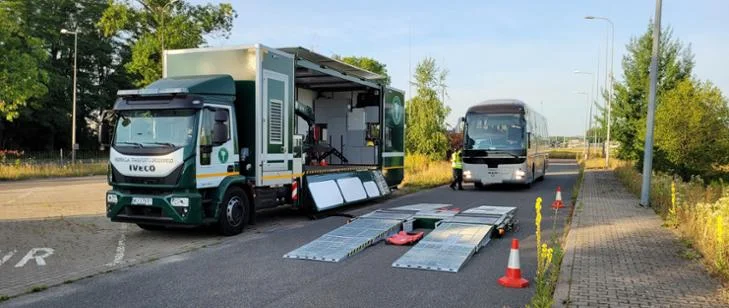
[220,129]
[104,129]
[104,133]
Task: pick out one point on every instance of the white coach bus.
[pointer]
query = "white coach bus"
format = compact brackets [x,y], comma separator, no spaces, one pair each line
[504,141]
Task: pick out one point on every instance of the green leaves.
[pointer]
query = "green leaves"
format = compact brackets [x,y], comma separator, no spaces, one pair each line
[631,96]
[426,113]
[368,64]
[691,129]
[150,26]
[21,76]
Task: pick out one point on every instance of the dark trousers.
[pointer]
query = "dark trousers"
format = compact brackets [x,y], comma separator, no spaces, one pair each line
[457,179]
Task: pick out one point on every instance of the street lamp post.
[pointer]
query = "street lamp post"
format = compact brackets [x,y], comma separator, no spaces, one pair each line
[162,29]
[584,139]
[645,191]
[588,120]
[74,146]
[612,78]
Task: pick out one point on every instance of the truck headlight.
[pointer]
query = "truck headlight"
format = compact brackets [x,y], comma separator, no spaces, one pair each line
[112,198]
[467,174]
[180,202]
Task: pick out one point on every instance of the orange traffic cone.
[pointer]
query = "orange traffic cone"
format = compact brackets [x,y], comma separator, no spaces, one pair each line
[513,279]
[557,204]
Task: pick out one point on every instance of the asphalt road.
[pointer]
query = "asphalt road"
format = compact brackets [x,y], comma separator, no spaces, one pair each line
[249,271]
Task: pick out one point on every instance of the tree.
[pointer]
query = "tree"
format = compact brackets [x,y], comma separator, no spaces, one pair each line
[154,25]
[692,132]
[21,76]
[368,64]
[426,113]
[44,123]
[631,96]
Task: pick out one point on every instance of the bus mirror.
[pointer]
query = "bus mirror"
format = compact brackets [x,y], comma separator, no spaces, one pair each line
[529,140]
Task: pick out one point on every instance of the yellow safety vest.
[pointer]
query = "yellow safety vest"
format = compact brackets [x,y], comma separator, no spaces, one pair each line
[456,161]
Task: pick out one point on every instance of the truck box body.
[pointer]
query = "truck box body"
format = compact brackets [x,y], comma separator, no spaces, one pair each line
[302,129]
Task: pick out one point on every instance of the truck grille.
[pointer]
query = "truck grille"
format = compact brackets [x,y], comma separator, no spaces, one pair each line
[171,179]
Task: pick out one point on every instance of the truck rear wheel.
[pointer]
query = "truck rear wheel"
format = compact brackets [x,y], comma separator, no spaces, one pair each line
[233,212]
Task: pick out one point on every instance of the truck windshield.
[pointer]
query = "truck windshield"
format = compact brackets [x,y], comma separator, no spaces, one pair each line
[155,128]
[494,132]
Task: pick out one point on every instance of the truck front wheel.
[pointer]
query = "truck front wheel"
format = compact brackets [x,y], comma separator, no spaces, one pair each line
[233,212]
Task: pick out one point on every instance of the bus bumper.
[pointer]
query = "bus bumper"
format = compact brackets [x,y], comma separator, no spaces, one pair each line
[504,174]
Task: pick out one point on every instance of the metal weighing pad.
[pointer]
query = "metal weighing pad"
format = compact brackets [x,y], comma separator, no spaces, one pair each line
[346,240]
[447,248]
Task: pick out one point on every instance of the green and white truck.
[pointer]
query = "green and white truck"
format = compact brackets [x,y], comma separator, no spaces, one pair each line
[230,131]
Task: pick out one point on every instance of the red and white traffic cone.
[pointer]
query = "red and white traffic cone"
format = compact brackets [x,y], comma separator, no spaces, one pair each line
[513,278]
[557,204]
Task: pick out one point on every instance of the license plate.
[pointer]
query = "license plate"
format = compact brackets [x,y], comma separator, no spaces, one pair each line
[141,201]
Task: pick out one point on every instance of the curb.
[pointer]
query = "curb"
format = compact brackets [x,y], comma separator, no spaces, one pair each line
[562,291]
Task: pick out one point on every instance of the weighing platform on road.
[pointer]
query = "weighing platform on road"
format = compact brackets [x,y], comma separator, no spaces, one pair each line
[456,237]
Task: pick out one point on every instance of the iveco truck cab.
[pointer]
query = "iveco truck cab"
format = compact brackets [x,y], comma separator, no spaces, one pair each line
[229,131]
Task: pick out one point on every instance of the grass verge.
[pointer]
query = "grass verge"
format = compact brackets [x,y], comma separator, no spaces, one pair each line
[699,213]
[4,298]
[423,173]
[22,171]
[550,255]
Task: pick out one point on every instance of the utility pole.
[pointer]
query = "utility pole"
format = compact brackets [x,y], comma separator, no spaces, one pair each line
[74,146]
[645,191]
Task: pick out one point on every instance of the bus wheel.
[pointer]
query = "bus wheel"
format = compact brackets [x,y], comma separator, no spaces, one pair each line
[544,172]
[233,212]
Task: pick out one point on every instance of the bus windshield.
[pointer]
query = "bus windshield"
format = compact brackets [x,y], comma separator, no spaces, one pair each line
[155,128]
[494,132]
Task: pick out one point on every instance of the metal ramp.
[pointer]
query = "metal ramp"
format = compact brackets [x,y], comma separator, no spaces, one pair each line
[456,239]
[351,238]
[446,248]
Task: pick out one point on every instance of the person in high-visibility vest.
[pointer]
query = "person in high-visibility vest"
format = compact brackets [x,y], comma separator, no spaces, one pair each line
[457,165]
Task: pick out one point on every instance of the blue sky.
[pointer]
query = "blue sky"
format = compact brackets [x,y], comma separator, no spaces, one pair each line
[492,49]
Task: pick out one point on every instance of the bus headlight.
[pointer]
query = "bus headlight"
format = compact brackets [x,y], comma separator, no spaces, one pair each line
[519,173]
[467,174]
[180,202]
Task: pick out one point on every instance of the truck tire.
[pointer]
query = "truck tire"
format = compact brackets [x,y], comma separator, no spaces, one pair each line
[151,227]
[233,212]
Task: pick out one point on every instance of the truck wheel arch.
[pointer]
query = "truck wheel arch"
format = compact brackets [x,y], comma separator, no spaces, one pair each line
[242,183]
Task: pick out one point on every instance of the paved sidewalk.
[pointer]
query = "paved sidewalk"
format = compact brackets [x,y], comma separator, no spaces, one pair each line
[618,254]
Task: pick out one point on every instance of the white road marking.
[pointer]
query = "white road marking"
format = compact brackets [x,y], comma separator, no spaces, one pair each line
[11,201]
[7,256]
[120,247]
[39,258]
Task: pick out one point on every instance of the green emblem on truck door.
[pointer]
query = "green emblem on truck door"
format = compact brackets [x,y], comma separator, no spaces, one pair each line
[223,155]
[396,112]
